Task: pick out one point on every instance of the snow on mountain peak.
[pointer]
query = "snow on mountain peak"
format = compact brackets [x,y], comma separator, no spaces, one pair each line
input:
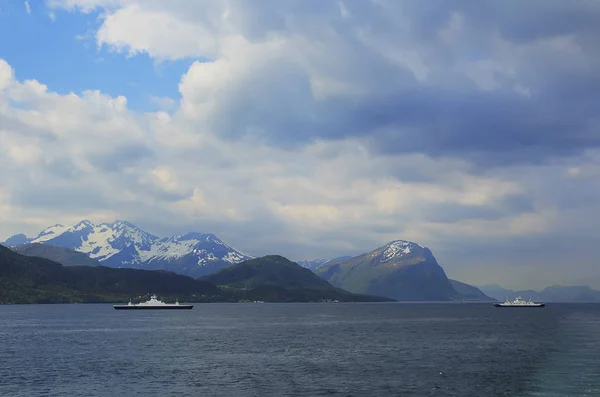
[206,246]
[122,225]
[82,225]
[49,233]
[126,234]
[122,244]
[398,249]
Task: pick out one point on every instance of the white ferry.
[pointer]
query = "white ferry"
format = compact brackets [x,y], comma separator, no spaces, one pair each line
[519,302]
[153,304]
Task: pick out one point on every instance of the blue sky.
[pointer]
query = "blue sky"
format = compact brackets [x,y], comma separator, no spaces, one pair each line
[313,129]
[61,52]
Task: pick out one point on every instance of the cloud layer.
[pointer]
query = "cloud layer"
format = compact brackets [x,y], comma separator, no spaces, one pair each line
[313,128]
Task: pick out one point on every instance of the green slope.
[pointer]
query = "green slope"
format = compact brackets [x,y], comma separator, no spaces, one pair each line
[280,279]
[272,270]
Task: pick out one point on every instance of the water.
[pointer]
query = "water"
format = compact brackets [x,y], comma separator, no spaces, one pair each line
[339,349]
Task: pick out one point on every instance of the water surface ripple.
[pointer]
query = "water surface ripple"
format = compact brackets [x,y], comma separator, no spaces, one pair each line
[375,349]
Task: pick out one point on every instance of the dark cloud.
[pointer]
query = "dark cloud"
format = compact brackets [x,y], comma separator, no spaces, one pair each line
[482,127]
[487,128]
[542,102]
[526,21]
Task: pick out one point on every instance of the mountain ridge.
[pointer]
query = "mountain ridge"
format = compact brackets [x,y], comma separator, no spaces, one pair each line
[30,279]
[401,270]
[277,276]
[470,292]
[555,293]
[267,270]
[122,244]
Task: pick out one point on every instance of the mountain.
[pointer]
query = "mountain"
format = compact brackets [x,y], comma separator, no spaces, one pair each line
[469,292]
[61,255]
[121,244]
[282,279]
[500,294]
[16,240]
[318,263]
[557,293]
[27,279]
[401,270]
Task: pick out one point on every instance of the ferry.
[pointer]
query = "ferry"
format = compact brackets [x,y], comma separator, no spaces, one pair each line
[153,304]
[519,302]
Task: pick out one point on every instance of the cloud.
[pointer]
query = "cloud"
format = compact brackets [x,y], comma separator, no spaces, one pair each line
[163,103]
[92,148]
[454,79]
[317,128]
[27,8]
[166,29]
[6,75]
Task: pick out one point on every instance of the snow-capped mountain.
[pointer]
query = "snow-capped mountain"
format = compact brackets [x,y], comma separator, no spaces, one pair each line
[401,270]
[399,250]
[395,250]
[121,244]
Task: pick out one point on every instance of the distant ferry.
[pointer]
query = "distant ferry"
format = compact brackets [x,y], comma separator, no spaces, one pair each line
[153,304]
[519,302]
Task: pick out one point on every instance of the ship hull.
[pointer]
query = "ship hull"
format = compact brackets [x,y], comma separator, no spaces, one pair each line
[519,306]
[174,307]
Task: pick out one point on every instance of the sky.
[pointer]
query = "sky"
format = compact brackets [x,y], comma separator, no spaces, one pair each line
[312,128]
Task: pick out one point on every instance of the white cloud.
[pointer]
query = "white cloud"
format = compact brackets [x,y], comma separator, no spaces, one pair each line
[163,103]
[27,7]
[157,33]
[6,75]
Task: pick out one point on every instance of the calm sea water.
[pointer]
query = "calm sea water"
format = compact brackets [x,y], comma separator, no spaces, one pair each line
[339,349]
